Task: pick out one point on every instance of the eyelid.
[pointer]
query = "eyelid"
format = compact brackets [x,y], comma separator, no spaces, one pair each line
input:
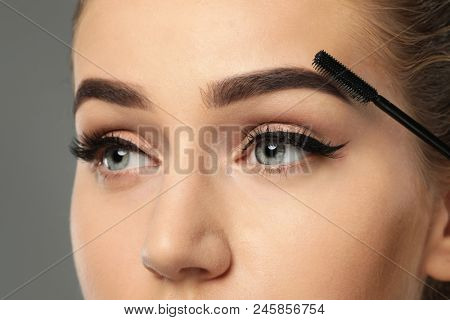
[138,142]
[251,135]
[88,146]
[131,142]
[138,145]
[315,146]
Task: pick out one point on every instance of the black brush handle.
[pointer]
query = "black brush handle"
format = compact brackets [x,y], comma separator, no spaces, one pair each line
[412,125]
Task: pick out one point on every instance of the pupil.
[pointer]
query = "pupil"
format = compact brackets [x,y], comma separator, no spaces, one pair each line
[270,150]
[118,155]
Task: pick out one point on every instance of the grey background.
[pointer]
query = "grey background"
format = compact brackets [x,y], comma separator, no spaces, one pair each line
[36,126]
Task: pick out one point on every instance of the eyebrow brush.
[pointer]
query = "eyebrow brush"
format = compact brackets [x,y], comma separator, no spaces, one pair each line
[362,92]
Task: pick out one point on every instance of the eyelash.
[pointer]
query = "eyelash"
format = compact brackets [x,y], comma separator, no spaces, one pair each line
[297,136]
[92,147]
[301,138]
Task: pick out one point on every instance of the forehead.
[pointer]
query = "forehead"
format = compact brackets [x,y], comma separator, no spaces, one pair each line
[164,43]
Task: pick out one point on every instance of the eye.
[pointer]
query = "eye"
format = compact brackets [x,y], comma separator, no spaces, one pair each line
[116,155]
[115,159]
[274,152]
[277,147]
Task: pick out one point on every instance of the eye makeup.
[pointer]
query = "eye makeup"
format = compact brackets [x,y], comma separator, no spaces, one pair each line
[87,147]
[299,136]
[272,147]
[275,147]
[114,155]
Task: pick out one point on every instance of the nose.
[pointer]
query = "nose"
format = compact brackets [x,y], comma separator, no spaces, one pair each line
[186,236]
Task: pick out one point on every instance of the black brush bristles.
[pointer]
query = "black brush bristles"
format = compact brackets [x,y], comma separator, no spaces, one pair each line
[361,91]
[345,79]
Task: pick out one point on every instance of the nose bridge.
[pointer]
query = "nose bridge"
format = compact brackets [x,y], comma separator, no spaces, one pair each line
[185,238]
[193,149]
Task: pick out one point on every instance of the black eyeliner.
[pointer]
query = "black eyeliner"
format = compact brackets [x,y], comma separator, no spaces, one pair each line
[302,140]
[87,147]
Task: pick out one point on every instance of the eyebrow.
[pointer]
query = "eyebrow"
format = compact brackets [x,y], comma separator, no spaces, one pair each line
[112,91]
[239,87]
[217,93]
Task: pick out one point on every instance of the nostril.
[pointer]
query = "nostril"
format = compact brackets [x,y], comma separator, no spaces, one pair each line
[194,271]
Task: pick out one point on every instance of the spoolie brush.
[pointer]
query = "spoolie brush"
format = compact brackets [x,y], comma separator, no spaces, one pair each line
[362,92]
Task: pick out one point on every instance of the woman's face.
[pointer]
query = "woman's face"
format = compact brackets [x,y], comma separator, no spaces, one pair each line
[272,221]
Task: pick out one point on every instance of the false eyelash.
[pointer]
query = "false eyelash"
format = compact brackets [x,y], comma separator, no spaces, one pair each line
[88,146]
[302,138]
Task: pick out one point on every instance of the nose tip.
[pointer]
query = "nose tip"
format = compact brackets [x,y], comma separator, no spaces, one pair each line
[207,259]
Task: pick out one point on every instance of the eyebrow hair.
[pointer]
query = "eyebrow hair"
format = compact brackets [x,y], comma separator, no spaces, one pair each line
[223,92]
[112,91]
[218,93]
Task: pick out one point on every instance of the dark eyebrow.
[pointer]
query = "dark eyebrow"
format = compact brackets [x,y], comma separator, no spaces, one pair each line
[231,89]
[218,93]
[112,91]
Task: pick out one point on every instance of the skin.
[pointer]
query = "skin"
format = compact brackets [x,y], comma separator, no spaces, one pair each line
[362,226]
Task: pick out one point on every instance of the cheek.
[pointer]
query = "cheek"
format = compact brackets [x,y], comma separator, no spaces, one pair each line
[107,231]
[378,207]
[356,223]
